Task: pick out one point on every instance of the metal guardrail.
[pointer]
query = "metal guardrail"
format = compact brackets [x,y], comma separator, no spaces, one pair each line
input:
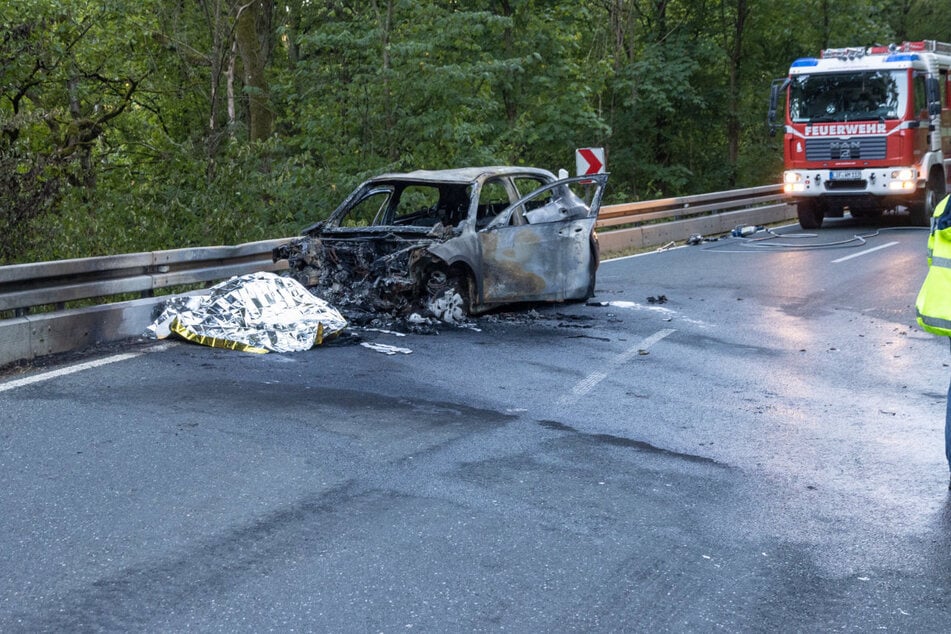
[667,208]
[656,222]
[24,288]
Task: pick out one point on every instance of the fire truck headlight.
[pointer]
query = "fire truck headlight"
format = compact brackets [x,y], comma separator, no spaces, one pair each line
[901,185]
[903,180]
[792,182]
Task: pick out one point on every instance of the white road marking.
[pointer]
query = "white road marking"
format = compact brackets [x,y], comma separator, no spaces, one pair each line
[385,348]
[667,312]
[585,385]
[865,252]
[638,255]
[79,367]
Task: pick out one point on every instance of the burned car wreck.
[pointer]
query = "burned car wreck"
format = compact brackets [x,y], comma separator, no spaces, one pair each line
[453,243]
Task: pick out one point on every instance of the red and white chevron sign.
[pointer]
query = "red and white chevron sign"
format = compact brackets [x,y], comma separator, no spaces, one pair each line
[590,160]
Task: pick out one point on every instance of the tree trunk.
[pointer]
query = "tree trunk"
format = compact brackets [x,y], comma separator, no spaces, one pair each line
[735,56]
[385,20]
[509,94]
[229,78]
[252,43]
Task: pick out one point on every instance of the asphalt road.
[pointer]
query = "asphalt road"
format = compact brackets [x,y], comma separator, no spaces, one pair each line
[758,449]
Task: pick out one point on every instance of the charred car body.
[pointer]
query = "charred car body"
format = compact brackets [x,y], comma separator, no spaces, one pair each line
[459,241]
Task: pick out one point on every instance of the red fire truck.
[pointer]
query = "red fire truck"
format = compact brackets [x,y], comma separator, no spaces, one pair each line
[867,130]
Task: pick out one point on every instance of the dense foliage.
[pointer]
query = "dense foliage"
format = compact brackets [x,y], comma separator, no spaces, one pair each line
[165,124]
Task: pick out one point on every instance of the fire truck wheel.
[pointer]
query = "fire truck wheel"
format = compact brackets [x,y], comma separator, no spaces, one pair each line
[934,191]
[810,213]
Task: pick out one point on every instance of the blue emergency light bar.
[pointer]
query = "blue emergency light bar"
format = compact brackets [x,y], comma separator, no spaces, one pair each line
[903,57]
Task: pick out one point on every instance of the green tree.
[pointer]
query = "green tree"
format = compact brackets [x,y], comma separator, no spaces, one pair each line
[68,74]
[168,124]
[920,20]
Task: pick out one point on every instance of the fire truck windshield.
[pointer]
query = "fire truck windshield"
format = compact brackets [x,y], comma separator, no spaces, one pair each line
[854,96]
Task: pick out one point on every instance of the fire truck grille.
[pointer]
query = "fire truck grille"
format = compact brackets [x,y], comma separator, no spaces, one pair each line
[836,149]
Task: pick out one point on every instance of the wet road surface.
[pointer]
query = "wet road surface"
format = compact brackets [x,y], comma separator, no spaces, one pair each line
[758,448]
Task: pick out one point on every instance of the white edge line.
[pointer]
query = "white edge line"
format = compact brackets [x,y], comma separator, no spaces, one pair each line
[79,367]
[865,252]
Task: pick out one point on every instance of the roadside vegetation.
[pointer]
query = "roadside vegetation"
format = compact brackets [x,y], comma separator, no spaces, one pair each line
[152,125]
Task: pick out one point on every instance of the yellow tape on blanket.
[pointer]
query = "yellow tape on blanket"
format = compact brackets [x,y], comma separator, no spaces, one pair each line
[213,342]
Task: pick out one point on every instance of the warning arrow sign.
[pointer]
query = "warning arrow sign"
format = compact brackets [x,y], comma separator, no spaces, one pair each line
[589,160]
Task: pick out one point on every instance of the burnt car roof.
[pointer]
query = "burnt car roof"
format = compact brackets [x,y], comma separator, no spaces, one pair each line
[462,174]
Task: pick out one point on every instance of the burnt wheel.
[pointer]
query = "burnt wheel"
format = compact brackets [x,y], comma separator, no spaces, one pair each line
[450,294]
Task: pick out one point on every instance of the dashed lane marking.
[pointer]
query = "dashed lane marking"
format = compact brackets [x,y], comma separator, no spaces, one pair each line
[865,252]
[588,383]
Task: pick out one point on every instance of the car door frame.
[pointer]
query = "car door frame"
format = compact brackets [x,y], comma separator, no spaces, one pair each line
[547,261]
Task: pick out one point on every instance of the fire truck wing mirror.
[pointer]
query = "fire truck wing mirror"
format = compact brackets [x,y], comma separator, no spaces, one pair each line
[775,88]
[933,90]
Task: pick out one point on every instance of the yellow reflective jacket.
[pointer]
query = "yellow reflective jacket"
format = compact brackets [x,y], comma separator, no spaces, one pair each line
[934,298]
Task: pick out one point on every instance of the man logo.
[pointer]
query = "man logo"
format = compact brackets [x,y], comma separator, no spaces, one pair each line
[845,149]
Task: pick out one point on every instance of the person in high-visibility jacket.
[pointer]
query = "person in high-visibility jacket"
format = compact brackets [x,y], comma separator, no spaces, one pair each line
[933,304]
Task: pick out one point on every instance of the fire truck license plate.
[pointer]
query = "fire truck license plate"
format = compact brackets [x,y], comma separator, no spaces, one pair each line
[845,175]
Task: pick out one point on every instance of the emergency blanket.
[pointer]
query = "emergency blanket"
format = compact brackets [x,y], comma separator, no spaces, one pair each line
[259,312]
